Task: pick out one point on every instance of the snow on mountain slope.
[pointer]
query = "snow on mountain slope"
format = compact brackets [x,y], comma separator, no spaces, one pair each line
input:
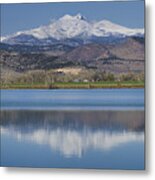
[107,28]
[68,27]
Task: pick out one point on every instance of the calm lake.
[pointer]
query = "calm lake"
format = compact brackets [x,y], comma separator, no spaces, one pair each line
[84,128]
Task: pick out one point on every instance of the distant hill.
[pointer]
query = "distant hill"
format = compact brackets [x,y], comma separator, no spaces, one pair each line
[123,56]
[132,48]
[87,53]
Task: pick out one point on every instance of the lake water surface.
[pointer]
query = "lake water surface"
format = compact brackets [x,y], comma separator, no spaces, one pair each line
[99,128]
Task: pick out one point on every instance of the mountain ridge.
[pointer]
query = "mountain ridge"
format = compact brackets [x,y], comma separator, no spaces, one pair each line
[74,28]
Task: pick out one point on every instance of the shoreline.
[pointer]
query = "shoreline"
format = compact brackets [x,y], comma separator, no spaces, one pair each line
[72,85]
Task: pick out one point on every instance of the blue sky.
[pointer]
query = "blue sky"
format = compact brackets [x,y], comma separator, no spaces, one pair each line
[17,17]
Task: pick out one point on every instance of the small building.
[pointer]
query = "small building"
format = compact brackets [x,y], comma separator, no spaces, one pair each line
[76,80]
[85,80]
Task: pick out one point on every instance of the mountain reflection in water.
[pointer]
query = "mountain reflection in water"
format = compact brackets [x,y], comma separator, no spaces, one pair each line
[73,133]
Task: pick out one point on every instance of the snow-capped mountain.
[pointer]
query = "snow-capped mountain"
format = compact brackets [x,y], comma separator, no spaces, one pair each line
[71,29]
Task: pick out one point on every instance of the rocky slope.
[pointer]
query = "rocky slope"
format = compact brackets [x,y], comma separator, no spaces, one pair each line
[122,57]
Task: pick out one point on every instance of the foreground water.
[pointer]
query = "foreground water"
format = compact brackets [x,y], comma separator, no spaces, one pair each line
[73,128]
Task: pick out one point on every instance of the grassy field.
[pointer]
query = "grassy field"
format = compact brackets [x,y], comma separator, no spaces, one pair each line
[76,85]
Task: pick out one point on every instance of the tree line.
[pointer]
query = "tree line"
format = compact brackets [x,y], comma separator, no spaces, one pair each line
[50,76]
